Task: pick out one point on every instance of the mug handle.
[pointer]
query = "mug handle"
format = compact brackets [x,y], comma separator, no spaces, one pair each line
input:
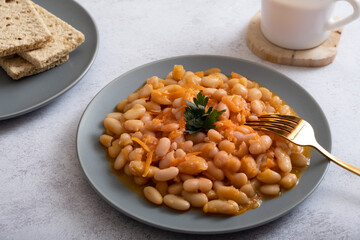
[337,24]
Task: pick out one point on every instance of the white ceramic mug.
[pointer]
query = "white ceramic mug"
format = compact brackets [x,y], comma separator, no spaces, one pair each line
[301,24]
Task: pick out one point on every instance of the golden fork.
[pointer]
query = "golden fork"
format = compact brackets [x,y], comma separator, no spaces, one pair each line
[298,131]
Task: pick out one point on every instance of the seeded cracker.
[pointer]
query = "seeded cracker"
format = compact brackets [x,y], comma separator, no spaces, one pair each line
[65,39]
[21,27]
[17,67]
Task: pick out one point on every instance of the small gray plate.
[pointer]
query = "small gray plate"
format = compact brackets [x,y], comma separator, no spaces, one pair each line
[95,166]
[30,93]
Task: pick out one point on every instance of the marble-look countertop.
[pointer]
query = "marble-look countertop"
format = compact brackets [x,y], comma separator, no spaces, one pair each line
[43,191]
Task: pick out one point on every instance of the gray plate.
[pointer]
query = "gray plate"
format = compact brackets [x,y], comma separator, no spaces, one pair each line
[30,93]
[93,161]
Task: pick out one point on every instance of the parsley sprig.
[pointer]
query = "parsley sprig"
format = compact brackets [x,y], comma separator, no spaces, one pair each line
[196,116]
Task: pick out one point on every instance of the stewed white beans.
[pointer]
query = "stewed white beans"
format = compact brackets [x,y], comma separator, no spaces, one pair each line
[224,170]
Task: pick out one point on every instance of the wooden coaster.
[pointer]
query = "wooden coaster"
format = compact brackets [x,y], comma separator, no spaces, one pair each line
[314,57]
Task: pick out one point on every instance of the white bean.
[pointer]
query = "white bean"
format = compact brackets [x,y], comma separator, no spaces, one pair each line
[137,154]
[127,170]
[177,102]
[166,174]
[221,159]
[239,179]
[196,138]
[254,94]
[153,195]
[209,91]
[214,171]
[229,207]
[239,89]
[132,97]
[169,127]
[116,115]
[167,160]
[213,152]
[288,181]
[227,146]
[211,195]
[176,202]
[283,160]
[195,199]
[205,184]
[257,106]
[113,125]
[269,176]
[191,185]
[106,140]
[179,153]
[266,94]
[133,125]
[163,147]
[219,93]
[270,189]
[187,146]
[299,160]
[145,91]
[214,135]
[125,139]
[211,81]
[136,112]
[231,193]
[153,107]
[114,149]
[225,115]
[260,145]
[121,105]
[175,188]
[138,180]
[136,168]
[119,161]
[195,184]
[248,189]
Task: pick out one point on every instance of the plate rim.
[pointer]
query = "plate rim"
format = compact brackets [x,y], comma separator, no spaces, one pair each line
[68,87]
[200,232]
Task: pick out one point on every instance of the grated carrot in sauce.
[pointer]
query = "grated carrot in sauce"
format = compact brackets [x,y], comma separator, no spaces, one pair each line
[270,163]
[191,154]
[176,161]
[162,117]
[225,124]
[175,133]
[149,140]
[235,103]
[148,162]
[141,143]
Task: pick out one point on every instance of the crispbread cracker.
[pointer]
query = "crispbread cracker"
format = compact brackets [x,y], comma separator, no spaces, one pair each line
[65,39]
[17,67]
[21,27]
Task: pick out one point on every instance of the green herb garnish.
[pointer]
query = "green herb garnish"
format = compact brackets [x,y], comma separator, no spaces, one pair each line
[196,116]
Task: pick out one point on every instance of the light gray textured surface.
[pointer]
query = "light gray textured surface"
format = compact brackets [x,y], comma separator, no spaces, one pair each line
[43,192]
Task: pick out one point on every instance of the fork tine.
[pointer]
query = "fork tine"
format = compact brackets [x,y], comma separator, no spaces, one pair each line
[281,117]
[270,124]
[276,122]
[276,131]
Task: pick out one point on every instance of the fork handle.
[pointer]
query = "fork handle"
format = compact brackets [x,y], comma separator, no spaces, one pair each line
[336,160]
